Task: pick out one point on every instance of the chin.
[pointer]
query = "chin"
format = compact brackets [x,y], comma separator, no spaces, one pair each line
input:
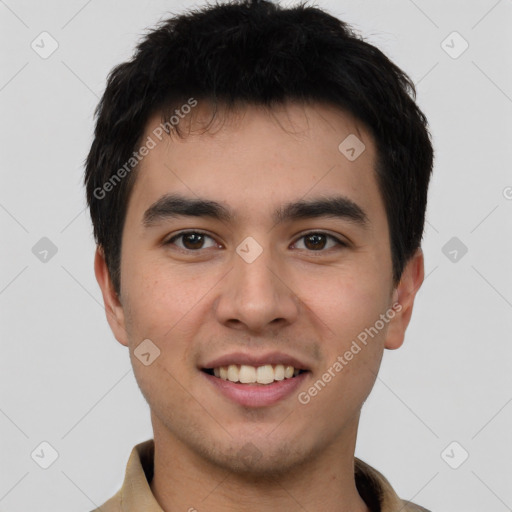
[258,461]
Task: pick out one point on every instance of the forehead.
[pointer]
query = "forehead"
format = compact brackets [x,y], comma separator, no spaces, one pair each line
[256,160]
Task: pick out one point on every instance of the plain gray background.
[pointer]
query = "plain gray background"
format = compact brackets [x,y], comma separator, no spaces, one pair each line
[66,381]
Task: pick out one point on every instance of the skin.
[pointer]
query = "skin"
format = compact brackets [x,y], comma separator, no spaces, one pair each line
[306,302]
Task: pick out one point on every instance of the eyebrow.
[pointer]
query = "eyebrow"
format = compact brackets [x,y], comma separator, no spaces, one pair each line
[175,205]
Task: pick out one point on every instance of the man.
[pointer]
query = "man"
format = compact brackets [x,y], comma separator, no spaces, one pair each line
[257,184]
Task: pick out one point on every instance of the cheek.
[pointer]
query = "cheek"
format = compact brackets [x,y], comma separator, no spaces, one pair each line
[159,314]
[348,301]
[353,348]
[158,297]
[166,306]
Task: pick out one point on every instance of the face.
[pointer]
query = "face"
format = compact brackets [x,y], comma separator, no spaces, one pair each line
[287,264]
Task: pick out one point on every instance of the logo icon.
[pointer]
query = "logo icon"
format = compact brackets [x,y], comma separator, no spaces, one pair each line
[352,147]
[146,352]
[454,249]
[44,455]
[454,45]
[249,249]
[44,45]
[249,454]
[454,455]
[44,250]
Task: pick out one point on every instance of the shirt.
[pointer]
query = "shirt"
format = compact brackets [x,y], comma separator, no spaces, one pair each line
[135,495]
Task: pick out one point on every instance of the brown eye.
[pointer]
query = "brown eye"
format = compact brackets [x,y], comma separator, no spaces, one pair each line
[317,241]
[191,240]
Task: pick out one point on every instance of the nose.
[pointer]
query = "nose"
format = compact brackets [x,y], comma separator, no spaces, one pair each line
[256,296]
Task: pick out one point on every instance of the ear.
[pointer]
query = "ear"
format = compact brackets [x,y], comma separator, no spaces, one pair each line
[113,307]
[404,294]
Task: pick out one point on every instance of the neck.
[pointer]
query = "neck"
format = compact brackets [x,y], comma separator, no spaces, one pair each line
[186,481]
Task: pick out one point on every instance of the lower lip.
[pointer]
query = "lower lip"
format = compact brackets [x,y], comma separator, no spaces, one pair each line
[257,395]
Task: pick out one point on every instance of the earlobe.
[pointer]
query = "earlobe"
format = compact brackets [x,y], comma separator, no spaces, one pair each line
[113,307]
[404,294]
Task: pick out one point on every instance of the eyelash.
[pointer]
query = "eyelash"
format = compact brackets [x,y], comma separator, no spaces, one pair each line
[184,233]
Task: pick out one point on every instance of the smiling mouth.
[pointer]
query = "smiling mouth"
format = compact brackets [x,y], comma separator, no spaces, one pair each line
[246,374]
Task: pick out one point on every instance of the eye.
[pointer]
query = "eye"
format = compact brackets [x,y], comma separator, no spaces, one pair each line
[191,240]
[194,241]
[316,240]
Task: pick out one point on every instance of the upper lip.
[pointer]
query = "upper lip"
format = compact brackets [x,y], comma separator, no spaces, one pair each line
[240,358]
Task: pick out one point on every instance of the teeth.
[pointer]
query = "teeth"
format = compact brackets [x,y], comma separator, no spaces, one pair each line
[247,374]
[233,373]
[265,374]
[279,372]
